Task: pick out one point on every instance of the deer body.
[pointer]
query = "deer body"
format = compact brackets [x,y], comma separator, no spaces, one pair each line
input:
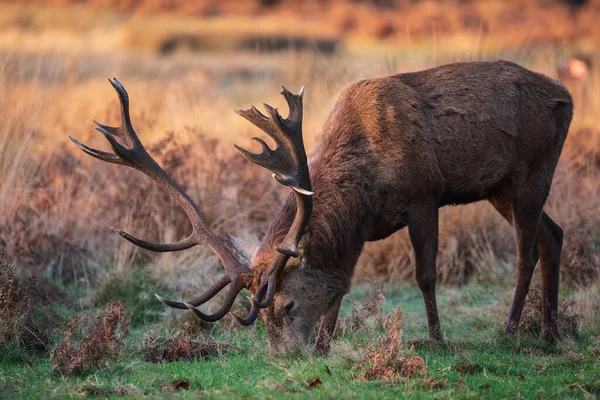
[393,151]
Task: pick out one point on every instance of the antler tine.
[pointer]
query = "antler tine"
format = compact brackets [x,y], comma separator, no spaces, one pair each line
[295,102]
[304,206]
[256,117]
[101,155]
[253,315]
[209,294]
[269,282]
[234,290]
[125,131]
[133,154]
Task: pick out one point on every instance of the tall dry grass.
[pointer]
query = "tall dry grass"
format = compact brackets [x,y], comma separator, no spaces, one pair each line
[57,204]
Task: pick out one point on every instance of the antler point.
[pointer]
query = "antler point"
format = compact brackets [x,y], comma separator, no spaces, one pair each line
[289,252]
[303,191]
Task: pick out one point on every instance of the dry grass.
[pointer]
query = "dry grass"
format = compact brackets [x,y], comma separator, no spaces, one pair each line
[585,305]
[361,25]
[57,204]
[531,319]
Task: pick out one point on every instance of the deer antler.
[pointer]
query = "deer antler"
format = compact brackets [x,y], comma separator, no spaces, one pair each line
[134,155]
[290,168]
[287,162]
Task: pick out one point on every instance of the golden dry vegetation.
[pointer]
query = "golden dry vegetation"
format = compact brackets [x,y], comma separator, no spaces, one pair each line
[57,204]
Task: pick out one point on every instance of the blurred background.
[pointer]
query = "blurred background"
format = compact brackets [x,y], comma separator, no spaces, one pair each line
[187,65]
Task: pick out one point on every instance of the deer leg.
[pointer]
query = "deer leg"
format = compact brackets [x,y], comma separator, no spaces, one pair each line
[423,232]
[551,237]
[327,327]
[548,250]
[504,207]
[526,214]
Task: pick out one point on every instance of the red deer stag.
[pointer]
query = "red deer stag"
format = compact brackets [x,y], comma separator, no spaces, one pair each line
[394,150]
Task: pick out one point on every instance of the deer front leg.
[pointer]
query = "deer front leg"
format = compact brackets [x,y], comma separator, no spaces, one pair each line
[327,327]
[423,231]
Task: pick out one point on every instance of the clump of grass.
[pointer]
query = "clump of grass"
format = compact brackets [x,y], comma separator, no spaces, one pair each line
[531,319]
[91,342]
[182,347]
[586,305]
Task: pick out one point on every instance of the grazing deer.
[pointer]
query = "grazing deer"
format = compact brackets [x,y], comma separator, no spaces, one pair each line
[394,150]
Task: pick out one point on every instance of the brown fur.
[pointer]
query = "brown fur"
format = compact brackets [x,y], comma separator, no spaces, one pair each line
[397,148]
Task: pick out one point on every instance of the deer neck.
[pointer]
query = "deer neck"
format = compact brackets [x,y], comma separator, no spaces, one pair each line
[335,235]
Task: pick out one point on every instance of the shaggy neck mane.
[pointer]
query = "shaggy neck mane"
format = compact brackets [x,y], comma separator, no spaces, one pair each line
[337,230]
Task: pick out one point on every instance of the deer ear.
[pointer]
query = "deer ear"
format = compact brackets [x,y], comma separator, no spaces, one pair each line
[244,249]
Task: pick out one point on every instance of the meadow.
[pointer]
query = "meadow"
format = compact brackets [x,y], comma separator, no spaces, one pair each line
[60,259]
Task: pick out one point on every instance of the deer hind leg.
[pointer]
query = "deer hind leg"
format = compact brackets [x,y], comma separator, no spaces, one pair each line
[423,231]
[547,247]
[527,257]
[551,238]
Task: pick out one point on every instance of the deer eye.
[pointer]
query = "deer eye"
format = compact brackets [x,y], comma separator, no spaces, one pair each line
[289,307]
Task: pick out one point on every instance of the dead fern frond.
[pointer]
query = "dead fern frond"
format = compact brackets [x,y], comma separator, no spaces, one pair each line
[182,347]
[370,310]
[384,360]
[91,343]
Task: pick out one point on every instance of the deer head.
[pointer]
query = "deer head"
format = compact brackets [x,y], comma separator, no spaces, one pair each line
[288,294]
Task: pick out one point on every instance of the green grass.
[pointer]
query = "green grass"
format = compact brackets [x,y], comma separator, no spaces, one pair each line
[475,361]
